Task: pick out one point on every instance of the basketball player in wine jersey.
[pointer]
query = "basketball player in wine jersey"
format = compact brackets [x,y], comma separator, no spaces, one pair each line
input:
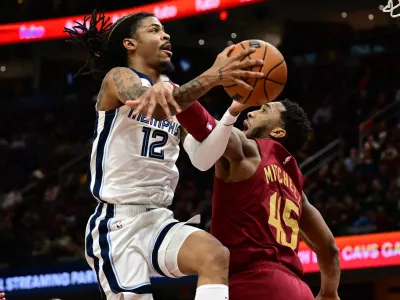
[132,234]
[259,211]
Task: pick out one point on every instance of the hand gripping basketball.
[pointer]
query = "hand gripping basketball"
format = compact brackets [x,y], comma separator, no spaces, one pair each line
[232,70]
[265,89]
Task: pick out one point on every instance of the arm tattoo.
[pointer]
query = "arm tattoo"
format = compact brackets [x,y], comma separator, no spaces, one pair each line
[220,75]
[128,85]
[188,93]
[101,95]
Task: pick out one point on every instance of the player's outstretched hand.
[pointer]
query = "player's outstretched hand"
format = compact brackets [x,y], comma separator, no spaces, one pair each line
[2,296]
[236,108]
[160,93]
[230,70]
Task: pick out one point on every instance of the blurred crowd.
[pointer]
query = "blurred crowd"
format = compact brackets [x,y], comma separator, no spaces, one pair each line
[45,202]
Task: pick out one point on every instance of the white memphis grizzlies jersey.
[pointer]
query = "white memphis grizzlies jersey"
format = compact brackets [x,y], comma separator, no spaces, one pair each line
[133,159]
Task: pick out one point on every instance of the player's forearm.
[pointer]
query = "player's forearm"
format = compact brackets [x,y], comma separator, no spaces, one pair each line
[188,93]
[317,236]
[329,265]
[328,258]
[197,121]
[205,154]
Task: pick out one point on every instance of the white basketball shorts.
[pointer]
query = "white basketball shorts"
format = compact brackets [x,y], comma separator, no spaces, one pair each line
[125,244]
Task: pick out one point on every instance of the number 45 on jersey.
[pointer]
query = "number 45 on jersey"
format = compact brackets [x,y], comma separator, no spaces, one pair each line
[275,220]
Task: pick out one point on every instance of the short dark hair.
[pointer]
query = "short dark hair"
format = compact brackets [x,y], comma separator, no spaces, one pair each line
[104,41]
[297,126]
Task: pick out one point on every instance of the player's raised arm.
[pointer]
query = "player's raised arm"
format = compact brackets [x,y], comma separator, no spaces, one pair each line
[316,234]
[225,70]
[239,146]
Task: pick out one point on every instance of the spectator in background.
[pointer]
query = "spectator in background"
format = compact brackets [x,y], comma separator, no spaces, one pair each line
[352,161]
[371,144]
[383,132]
[389,154]
[324,114]
[12,199]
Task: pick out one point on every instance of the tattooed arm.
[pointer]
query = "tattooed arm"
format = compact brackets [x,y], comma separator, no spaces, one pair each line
[119,85]
[122,84]
[162,100]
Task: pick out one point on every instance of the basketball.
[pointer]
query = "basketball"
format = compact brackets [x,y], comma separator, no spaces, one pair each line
[265,89]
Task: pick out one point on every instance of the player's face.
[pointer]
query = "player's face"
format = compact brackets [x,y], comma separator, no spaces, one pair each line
[153,44]
[265,122]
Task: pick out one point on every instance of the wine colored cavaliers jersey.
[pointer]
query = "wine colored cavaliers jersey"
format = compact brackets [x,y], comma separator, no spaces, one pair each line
[258,219]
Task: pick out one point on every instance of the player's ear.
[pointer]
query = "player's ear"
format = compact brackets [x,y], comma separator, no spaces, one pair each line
[278,133]
[130,44]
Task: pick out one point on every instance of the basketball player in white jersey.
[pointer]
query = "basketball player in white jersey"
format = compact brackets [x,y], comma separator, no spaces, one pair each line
[132,234]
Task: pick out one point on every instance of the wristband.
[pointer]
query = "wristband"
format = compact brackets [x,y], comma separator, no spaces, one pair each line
[227,119]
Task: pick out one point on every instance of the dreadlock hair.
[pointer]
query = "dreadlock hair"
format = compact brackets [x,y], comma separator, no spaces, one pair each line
[104,41]
[297,126]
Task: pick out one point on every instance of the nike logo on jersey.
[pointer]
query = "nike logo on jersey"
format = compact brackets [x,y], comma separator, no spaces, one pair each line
[119,224]
[209,126]
[286,160]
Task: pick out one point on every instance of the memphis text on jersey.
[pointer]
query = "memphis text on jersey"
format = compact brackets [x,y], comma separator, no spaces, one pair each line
[171,127]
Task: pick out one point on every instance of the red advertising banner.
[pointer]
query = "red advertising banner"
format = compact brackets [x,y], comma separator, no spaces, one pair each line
[359,251]
[164,11]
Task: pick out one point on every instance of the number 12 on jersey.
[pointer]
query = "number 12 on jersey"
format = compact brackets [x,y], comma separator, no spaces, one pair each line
[275,220]
[150,149]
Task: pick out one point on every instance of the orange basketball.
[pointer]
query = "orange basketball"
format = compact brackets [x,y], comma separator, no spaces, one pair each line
[265,89]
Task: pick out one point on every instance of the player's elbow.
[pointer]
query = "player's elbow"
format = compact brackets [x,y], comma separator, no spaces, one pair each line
[326,248]
[330,251]
[333,250]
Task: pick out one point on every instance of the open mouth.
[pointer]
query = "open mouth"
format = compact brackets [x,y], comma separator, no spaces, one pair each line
[167,49]
[246,125]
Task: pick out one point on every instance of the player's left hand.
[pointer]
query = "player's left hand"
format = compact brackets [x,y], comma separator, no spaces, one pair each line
[236,108]
[2,296]
[160,93]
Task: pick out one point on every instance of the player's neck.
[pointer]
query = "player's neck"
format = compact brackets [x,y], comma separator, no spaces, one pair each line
[140,66]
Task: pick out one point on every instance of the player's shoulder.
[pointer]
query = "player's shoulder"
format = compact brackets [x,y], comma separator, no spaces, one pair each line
[120,73]
[273,150]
